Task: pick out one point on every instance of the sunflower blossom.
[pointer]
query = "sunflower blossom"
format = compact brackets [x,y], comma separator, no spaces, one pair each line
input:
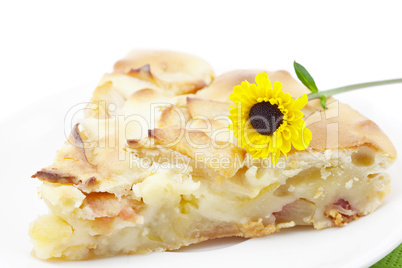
[266,121]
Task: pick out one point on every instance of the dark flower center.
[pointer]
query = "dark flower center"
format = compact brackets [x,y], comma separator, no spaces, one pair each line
[265,117]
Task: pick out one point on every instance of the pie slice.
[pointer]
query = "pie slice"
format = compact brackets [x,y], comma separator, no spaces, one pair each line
[152,166]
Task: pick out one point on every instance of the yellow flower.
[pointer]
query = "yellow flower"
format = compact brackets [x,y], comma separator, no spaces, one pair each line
[266,120]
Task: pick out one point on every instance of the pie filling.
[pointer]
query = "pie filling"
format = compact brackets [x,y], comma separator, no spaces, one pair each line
[172,208]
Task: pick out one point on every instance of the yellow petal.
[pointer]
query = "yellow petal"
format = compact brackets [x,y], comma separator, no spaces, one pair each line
[286,98]
[286,146]
[279,140]
[304,138]
[307,136]
[298,144]
[264,152]
[294,133]
[286,133]
[262,80]
[299,103]
[269,94]
[275,157]
[277,89]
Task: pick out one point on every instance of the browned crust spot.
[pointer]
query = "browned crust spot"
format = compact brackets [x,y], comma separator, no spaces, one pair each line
[75,134]
[248,230]
[77,141]
[53,177]
[92,181]
[195,86]
[257,229]
[143,73]
[339,219]
[134,143]
[165,66]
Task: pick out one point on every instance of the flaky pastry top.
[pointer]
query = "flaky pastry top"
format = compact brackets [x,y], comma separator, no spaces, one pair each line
[186,99]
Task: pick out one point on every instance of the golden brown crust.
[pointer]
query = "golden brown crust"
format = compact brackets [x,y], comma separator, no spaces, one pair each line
[210,109]
[223,85]
[76,140]
[198,146]
[108,205]
[173,116]
[338,219]
[257,229]
[143,73]
[341,127]
[177,72]
[90,171]
[250,229]
[127,84]
[146,95]
[103,95]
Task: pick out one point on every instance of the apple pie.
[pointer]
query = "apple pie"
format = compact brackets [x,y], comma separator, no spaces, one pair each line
[152,165]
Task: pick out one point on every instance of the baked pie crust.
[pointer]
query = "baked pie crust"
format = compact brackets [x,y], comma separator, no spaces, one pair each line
[152,166]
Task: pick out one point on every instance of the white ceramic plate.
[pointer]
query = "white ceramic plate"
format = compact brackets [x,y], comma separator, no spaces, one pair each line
[29,141]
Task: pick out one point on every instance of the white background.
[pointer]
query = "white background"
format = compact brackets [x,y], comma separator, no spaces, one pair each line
[51,46]
[48,48]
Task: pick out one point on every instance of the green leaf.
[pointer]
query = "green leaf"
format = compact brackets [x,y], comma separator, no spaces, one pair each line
[323,101]
[305,77]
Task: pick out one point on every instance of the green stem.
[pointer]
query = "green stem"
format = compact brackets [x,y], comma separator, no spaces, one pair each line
[338,90]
